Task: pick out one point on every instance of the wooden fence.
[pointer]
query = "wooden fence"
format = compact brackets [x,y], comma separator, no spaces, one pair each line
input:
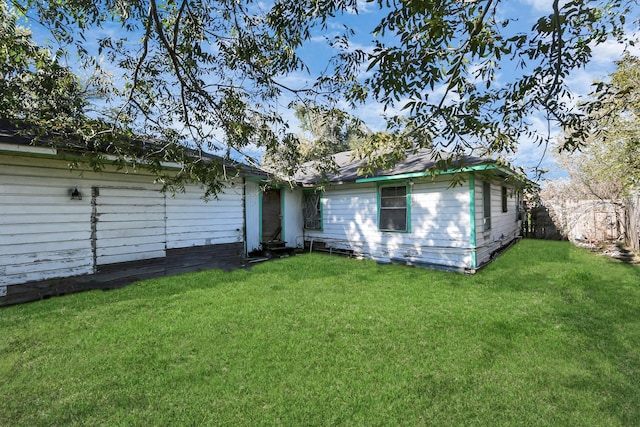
[633,221]
[592,220]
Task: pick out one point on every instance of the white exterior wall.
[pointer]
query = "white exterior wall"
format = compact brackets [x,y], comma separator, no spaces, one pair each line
[440,232]
[505,226]
[130,223]
[44,234]
[292,217]
[194,222]
[252,215]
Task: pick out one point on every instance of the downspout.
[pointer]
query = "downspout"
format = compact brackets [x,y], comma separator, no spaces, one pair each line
[472,218]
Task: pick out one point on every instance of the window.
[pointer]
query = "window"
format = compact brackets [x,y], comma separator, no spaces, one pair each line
[519,207]
[312,210]
[393,208]
[486,205]
[504,199]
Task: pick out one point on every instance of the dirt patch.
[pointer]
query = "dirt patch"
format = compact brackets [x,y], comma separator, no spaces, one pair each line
[615,250]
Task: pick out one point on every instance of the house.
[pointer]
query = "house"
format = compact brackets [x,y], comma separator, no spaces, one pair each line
[65,230]
[404,215]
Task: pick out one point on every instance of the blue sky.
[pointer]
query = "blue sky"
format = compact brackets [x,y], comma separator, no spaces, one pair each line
[524,14]
[317,53]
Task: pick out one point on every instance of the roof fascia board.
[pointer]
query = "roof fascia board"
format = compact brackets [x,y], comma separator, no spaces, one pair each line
[27,149]
[52,153]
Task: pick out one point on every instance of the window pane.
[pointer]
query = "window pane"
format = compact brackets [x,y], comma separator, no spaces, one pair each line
[393,191]
[393,208]
[393,202]
[393,219]
[504,200]
[486,199]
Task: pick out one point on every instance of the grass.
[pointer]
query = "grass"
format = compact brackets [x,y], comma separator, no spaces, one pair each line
[547,335]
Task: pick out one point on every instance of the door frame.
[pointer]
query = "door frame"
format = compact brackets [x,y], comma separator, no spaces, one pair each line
[282,210]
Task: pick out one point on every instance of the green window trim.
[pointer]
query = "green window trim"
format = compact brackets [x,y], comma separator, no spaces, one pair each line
[407,205]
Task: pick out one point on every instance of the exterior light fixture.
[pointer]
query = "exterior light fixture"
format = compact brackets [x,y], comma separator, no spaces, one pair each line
[75,194]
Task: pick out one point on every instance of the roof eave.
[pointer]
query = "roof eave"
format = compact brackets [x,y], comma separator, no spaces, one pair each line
[422,174]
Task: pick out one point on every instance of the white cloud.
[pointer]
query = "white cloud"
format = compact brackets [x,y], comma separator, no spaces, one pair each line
[542,5]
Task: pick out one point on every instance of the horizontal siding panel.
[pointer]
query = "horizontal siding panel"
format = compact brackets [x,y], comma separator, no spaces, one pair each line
[62,198]
[126,257]
[221,236]
[16,221]
[40,247]
[44,237]
[176,244]
[129,233]
[229,209]
[45,256]
[132,224]
[205,216]
[33,230]
[444,242]
[128,241]
[119,210]
[31,189]
[55,180]
[50,266]
[176,227]
[446,257]
[195,200]
[131,249]
[128,197]
[19,268]
[131,217]
[35,209]
[37,276]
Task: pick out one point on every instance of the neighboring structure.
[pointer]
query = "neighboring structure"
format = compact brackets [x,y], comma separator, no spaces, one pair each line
[64,230]
[404,215]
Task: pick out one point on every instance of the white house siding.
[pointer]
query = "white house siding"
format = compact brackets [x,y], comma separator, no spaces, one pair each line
[43,234]
[252,215]
[292,217]
[129,224]
[440,224]
[194,222]
[46,235]
[505,226]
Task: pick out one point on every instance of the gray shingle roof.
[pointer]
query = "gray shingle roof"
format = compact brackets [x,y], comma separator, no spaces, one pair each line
[347,166]
[21,134]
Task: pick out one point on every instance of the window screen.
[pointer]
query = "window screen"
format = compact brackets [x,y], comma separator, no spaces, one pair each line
[486,205]
[393,208]
[311,211]
[504,199]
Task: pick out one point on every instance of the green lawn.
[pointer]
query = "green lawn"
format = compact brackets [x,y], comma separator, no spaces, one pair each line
[547,335]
